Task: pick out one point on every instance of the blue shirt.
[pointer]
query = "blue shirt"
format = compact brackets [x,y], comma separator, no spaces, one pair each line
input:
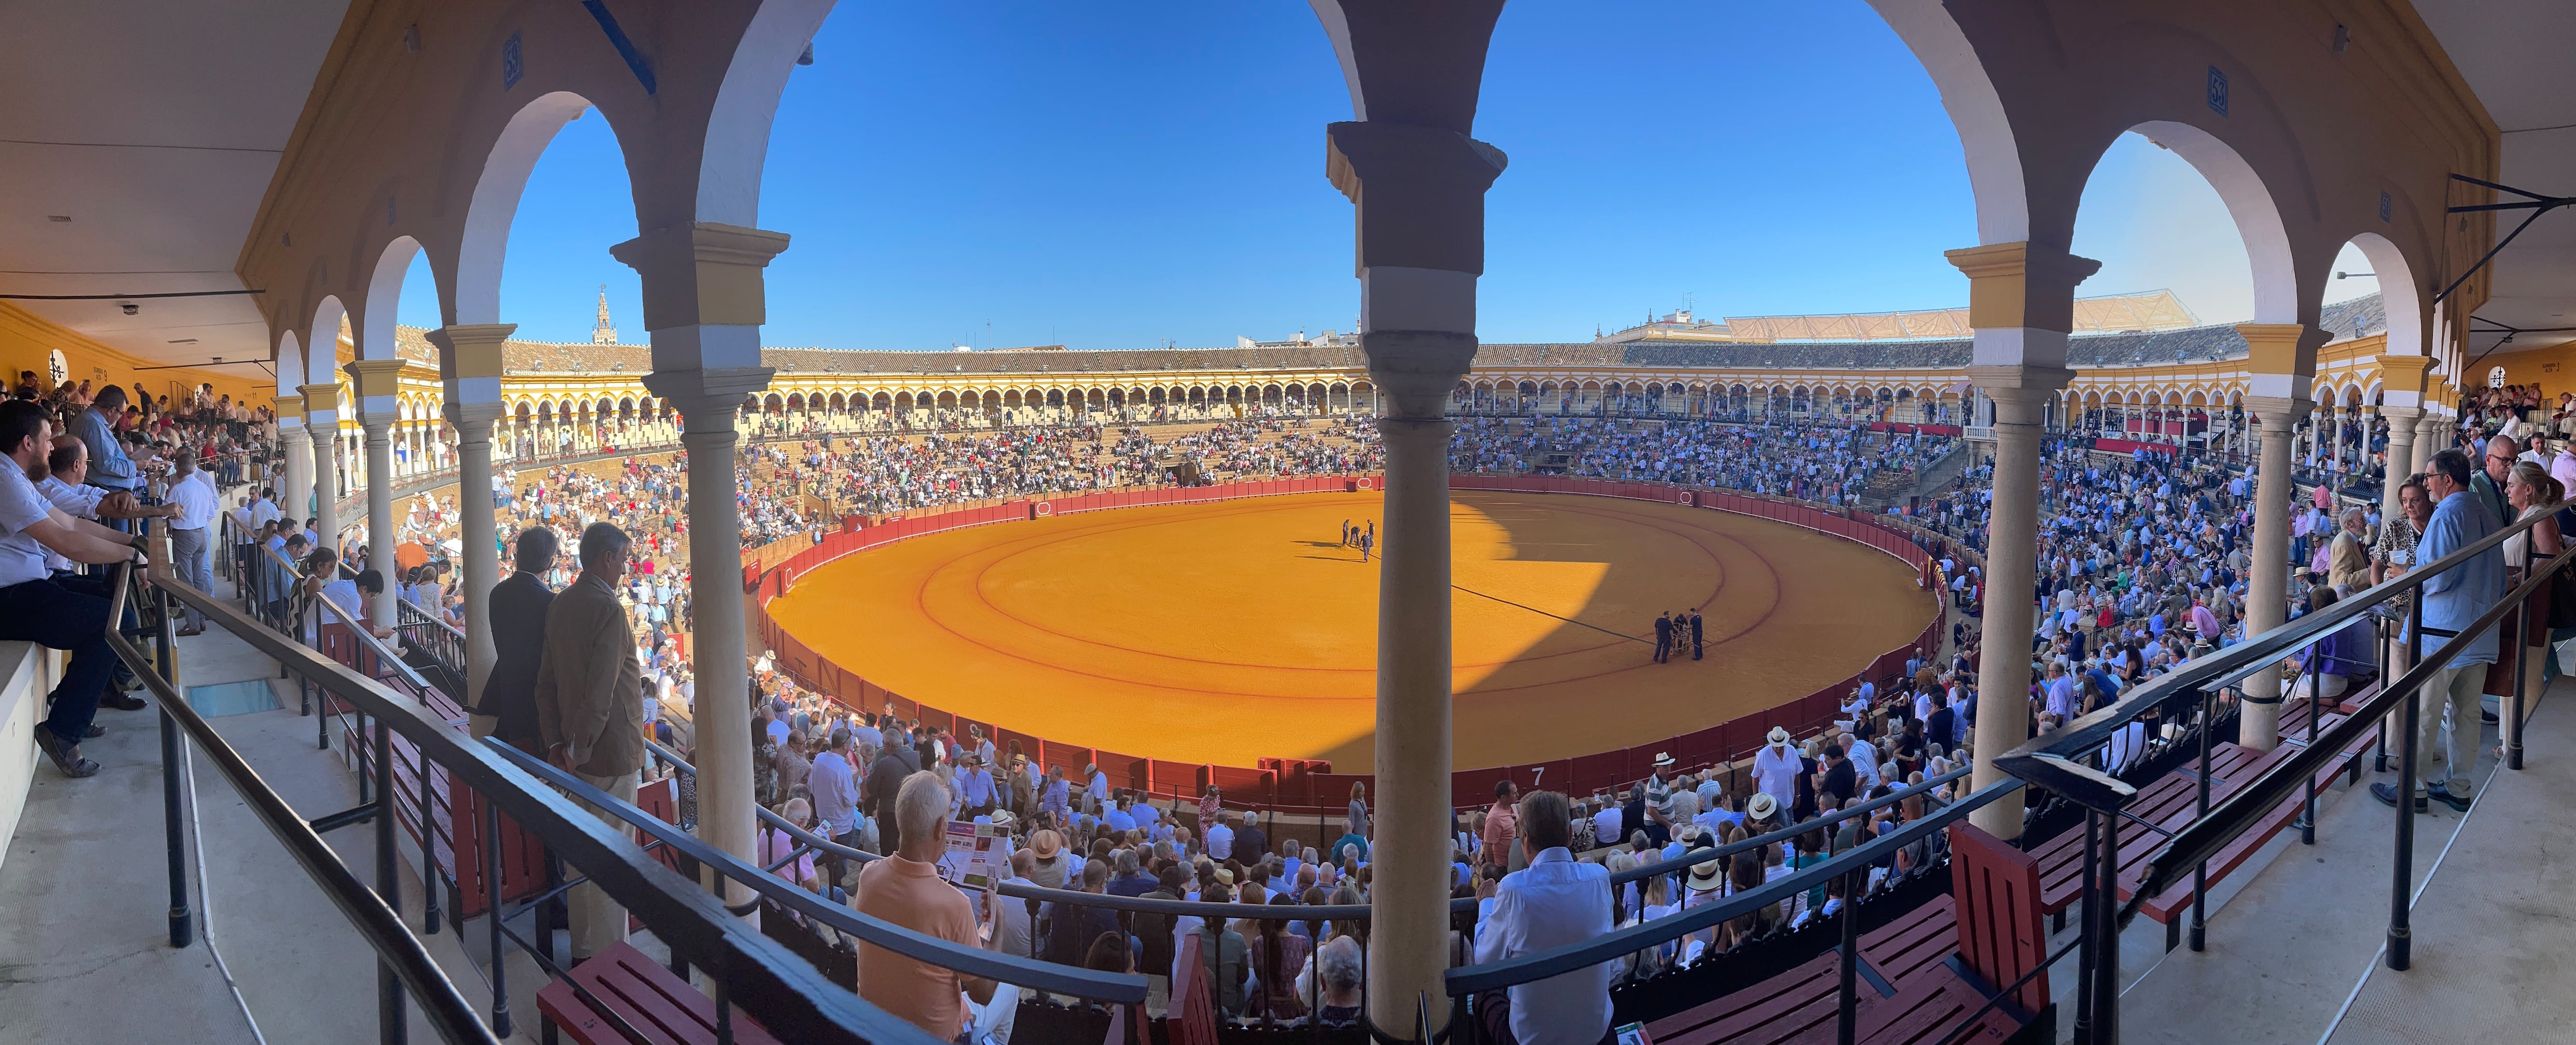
[836,798]
[2454,598]
[108,465]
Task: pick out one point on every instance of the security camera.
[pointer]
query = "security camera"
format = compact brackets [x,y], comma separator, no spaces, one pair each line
[130,308]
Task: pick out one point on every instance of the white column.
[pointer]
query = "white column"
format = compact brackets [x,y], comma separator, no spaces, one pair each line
[470,368]
[2401,456]
[2012,577]
[2266,599]
[324,424]
[373,382]
[297,482]
[718,639]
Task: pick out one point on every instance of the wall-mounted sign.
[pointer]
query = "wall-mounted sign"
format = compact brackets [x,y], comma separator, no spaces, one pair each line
[2217,90]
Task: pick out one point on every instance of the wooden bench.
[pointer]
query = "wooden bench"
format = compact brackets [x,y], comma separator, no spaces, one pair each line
[628,991]
[1919,975]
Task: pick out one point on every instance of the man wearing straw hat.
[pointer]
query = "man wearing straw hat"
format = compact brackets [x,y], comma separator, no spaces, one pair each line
[1776,767]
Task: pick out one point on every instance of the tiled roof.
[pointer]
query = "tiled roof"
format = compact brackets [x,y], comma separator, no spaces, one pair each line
[2360,317]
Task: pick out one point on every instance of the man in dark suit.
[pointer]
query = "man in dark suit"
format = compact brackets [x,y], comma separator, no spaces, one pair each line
[517,611]
[1696,634]
[1939,726]
[1663,637]
[884,781]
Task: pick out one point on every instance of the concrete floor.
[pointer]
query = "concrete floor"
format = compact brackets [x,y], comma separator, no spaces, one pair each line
[85,950]
[2295,950]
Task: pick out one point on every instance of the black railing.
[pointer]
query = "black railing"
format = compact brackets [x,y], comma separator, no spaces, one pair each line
[1468,982]
[786,993]
[2052,760]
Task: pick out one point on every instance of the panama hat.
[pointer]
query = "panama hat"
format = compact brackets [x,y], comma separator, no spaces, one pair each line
[1761,806]
[1706,875]
[1663,759]
[1779,735]
[1045,843]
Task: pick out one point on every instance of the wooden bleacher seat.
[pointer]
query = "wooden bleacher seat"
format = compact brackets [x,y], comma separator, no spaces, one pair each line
[1919,975]
[1192,1019]
[633,988]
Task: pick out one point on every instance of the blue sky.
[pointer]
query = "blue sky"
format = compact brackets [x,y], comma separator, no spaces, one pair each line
[1120,176]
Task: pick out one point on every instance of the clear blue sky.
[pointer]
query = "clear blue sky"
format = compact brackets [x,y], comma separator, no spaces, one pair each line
[1113,176]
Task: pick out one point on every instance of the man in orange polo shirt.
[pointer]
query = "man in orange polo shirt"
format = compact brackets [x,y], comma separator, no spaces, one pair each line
[906,889]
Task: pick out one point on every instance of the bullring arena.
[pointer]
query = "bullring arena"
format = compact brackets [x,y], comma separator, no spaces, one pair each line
[1239,629]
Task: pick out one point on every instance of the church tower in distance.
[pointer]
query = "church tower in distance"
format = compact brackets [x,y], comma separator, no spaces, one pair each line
[606,332]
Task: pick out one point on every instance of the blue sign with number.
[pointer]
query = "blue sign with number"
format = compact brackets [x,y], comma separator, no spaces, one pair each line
[2217,91]
[513,67]
[2384,205]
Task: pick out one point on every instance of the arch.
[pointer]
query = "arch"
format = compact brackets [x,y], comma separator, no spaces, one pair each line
[2399,294]
[384,293]
[322,363]
[2249,203]
[477,297]
[737,146]
[290,361]
[1976,112]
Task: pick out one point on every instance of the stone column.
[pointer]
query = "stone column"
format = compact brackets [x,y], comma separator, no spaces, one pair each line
[469,368]
[1418,193]
[297,449]
[2282,357]
[2432,436]
[2021,303]
[703,304]
[372,383]
[2401,456]
[322,422]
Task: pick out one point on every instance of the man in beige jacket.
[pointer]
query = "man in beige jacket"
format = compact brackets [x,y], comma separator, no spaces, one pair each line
[590,707]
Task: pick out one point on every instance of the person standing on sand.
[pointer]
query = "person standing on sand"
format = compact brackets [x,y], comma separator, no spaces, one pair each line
[1346,533]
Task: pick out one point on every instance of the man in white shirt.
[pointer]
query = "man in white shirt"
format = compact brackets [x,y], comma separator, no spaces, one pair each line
[1220,838]
[264,510]
[36,608]
[192,492]
[1776,767]
[1555,901]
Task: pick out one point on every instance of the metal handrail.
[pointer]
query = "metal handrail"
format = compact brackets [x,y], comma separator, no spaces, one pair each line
[1701,856]
[385,655]
[1122,988]
[446,1010]
[2044,760]
[791,998]
[1261,912]
[1476,979]
[2238,812]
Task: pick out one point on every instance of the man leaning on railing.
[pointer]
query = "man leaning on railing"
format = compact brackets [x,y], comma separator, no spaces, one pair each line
[68,614]
[2453,600]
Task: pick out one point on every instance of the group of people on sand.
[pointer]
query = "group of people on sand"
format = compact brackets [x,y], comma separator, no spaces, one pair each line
[1363,538]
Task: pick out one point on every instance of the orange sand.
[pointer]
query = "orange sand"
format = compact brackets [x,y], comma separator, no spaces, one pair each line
[1226,632]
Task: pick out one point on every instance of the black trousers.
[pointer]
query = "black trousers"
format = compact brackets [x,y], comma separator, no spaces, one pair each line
[53,614]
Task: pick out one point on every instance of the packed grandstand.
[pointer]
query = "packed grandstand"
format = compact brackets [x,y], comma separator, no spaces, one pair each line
[2142,565]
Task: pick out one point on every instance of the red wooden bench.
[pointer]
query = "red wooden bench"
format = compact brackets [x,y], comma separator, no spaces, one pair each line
[634,992]
[453,835]
[1921,974]
[1192,1017]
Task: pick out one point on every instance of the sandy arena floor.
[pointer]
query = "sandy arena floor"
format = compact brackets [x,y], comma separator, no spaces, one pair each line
[1226,632]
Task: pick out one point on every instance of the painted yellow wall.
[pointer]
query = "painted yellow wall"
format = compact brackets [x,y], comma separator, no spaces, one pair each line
[2553,368]
[27,340]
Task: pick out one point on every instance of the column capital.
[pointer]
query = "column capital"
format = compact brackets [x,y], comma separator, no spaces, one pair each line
[321,399]
[2021,284]
[471,350]
[2287,408]
[2282,358]
[289,406]
[471,417]
[707,395]
[2019,383]
[1417,193]
[372,383]
[2403,378]
[1416,370]
[2395,413]
[702,273]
